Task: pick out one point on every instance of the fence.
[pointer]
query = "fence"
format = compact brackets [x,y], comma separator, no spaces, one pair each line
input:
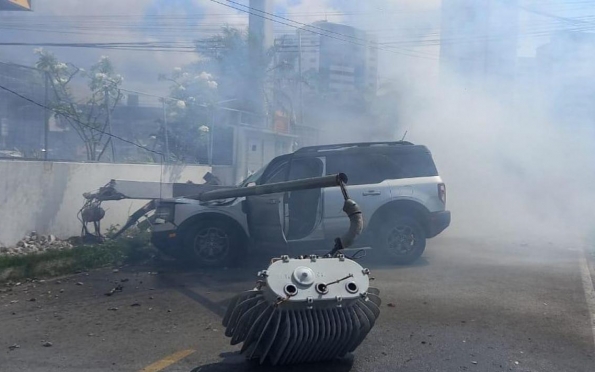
[23,123]
[45,196]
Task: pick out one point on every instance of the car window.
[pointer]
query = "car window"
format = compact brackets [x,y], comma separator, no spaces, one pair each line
[362,168]
[276,172]
[375,168]
[419,164]
[301,168]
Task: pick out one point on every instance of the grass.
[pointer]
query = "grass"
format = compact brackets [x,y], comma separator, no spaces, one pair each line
[133,247]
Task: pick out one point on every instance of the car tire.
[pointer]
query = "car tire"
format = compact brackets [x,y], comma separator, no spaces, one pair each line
[401,239]
[212,244]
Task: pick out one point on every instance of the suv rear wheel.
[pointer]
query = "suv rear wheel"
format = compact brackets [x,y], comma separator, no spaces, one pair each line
[402,239]
[212,244]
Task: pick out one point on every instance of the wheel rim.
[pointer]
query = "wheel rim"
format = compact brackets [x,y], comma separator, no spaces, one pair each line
[402,240]
[211,244]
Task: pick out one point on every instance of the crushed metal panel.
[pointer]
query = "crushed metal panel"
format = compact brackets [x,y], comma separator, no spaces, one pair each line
[122,189]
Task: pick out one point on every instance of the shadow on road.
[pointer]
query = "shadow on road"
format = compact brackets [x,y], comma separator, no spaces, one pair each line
[234,362]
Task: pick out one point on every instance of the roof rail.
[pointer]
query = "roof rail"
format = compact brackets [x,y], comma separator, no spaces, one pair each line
[347,145]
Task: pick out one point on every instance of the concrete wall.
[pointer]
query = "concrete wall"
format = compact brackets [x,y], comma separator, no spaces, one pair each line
[46,196]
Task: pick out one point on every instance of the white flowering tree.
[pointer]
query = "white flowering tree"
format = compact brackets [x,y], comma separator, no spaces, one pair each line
[189,109]
[88,117]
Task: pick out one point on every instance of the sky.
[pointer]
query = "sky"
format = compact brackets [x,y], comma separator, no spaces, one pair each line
[409,28]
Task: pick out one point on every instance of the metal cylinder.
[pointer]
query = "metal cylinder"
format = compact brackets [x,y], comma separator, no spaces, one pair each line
[295,317]
[304,184]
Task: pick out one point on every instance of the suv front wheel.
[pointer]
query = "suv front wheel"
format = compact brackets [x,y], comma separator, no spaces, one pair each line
[402,239]
[212,244]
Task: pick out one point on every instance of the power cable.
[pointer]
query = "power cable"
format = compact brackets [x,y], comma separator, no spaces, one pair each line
[372,46]
[79,122]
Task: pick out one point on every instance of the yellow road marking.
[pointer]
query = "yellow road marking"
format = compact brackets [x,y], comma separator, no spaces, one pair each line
[167,361]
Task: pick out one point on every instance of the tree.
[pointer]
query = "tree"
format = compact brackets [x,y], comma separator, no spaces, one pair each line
[189,109]
[88,117]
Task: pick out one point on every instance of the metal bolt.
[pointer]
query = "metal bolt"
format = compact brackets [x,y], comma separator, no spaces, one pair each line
[366,271]
[313,257]
[341,257]
[263,273]
[285,258]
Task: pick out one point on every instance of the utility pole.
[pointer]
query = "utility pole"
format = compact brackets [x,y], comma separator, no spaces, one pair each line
[166,132]
[109,123]
[46,120]
[211,134]
[300,76]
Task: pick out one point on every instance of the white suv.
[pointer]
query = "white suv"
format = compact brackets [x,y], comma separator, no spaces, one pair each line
[396,184]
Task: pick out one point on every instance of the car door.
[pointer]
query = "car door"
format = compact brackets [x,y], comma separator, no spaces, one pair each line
[265,213]
[304,207]
[368,186]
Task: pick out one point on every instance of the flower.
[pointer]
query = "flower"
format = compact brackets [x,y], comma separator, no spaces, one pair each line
[204,129]
[181,104]
[205,76]
[212,84]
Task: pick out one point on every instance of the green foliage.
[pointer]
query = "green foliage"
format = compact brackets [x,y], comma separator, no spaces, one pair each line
[131,248]
[88,117]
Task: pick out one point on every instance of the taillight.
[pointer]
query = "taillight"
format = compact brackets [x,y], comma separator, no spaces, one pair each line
[442,192]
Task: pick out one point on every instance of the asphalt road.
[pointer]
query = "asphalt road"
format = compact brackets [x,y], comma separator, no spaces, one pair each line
[468,305]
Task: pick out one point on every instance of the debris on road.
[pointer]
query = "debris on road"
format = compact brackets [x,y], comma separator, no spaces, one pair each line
[79,283]
[390,304]
[115,271]
[117,288]
[34,243]
[13,347]
[112,309]
[473,362]
[47,344]
[136,304]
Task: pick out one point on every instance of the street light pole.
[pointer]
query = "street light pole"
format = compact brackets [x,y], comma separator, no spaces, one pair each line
[166,132]
[211,134]
[46,124]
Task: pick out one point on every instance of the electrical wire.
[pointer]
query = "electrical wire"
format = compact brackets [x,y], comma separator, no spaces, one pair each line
[80,122]
[372,46]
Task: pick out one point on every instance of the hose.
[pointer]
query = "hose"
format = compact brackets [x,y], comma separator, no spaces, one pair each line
[356,223]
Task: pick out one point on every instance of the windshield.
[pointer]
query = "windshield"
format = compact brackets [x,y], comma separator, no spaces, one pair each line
[253,177]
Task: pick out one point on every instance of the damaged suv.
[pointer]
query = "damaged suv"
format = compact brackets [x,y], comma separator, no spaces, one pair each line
[396,184]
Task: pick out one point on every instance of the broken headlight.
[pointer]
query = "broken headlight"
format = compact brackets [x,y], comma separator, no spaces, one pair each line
[164,213]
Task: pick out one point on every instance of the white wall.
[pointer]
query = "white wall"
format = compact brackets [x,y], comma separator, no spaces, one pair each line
[46,196]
